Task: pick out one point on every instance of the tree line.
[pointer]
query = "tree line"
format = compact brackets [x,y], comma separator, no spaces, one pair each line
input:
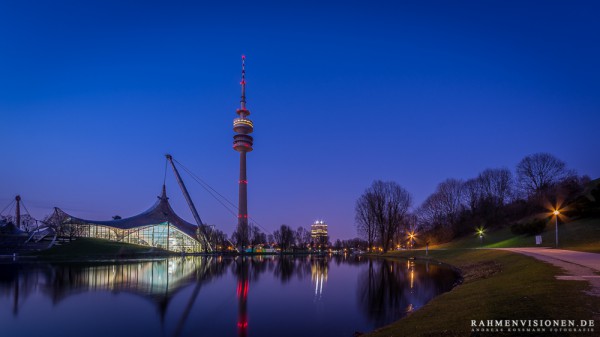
[285,238]
[385,218]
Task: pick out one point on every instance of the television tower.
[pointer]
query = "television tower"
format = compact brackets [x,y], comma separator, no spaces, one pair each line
[242,143]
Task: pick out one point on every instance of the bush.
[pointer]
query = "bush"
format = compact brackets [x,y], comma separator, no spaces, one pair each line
[533,227]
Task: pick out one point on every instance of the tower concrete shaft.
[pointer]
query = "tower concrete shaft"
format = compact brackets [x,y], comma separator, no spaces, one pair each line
[243,142]
[18,215]
[243,191]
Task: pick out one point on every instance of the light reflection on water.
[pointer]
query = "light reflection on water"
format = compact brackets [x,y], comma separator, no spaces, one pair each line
[214,296]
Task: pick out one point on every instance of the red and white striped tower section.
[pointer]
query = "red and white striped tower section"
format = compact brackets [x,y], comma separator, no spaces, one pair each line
[242,142]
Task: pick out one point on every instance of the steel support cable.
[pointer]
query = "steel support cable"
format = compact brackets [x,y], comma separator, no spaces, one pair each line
[9,205]
[208,188]
[215,197]
[166,166]
[200,179]
[202,183]
[10,210]
[26,210]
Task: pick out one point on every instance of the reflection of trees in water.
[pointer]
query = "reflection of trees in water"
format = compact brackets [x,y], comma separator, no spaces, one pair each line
[285,268]
[388,290]
[17,285]
[379,290]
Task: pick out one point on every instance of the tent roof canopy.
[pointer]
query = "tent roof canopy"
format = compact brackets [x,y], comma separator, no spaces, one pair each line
[160,212]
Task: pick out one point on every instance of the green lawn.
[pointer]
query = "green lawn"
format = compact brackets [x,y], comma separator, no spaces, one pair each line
[582,235]
[497,285]
[89,247]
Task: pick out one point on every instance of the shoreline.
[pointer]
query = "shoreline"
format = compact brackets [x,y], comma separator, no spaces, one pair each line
[495,285]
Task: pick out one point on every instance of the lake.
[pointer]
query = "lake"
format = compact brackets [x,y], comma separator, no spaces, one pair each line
[215,296]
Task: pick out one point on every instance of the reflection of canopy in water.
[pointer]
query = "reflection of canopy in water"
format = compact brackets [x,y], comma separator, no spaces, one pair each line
[159,226]
[155,280]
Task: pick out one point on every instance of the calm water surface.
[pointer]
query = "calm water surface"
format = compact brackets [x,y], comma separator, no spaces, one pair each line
[214,296]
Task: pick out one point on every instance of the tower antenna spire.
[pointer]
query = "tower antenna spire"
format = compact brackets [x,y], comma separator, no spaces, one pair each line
[243,83]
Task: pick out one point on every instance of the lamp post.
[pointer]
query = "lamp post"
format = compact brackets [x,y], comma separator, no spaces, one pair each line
[480,231]
[556,213]
[411,237]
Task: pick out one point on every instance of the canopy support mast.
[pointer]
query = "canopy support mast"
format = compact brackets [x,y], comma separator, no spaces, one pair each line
[189,201]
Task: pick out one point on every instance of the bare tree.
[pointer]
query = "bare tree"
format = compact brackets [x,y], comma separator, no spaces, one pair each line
[302,237]
[442,208]
[492,186]
[241,235]
[496,185]
[256,236]
[472,193]
[284,237]
[430,213]
[451,197]
[386,205]
[365,219]
[217,238]
[538,172]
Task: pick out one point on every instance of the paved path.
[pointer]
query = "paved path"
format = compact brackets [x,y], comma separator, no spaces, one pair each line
[579,266]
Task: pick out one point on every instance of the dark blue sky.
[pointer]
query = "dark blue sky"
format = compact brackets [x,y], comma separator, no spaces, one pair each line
[93,94]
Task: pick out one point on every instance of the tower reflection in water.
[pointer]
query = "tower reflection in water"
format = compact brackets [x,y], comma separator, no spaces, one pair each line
[243,284]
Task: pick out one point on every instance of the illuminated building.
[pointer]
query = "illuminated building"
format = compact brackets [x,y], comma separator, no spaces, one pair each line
[318,234]
[242,143]
[158,226]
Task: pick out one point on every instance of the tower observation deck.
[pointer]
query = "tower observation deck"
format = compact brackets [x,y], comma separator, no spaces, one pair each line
[242,142]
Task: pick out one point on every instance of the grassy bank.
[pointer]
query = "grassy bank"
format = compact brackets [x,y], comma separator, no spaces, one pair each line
[582,235]
[95,248]
[497,285]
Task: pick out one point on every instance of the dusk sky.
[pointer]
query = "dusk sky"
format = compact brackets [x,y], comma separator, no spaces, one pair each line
[94,94]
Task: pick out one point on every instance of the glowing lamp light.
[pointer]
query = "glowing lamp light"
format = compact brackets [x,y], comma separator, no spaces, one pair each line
[480,231]
[556,214]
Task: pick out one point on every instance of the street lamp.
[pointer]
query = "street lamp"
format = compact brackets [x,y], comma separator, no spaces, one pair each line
[556,214]
[480,232]
[411,237]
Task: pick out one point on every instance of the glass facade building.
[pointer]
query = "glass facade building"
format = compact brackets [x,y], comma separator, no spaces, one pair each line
[157,227]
